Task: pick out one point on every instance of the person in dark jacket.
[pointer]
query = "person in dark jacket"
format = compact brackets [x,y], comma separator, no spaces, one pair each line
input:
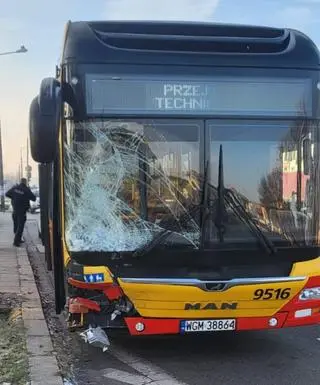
[20,196]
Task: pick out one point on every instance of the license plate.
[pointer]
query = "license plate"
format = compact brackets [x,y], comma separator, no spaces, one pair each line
[214,325]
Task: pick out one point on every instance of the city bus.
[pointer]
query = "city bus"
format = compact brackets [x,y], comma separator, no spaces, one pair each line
[163,147]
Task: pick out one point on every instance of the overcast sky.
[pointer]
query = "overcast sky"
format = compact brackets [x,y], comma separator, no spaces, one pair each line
[39,25]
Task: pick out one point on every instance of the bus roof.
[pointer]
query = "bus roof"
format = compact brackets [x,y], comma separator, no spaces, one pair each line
[187,43]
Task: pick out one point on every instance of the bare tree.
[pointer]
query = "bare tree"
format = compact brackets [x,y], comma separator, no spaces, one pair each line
[270,189]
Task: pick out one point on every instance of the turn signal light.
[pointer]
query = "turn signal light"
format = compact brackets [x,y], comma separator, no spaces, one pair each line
[303,313]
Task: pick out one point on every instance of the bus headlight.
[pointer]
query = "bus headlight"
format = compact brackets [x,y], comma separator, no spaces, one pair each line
[312,293]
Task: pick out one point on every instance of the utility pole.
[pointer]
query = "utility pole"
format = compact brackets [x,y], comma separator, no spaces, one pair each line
[2,203]
[28,166]
[21,163]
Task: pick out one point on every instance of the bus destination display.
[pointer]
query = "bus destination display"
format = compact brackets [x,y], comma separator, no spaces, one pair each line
[284,97]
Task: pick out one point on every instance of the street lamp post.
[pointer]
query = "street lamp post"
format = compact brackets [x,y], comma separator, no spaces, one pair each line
[22,49]
[24,166]
[28,167]
[21,163]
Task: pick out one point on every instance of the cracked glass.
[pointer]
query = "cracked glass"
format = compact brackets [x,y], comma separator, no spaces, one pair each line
[126,181]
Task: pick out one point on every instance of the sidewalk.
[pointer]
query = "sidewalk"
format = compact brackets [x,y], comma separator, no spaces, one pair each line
[17,280]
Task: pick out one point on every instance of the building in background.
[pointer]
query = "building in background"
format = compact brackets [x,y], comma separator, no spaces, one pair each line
[290,175]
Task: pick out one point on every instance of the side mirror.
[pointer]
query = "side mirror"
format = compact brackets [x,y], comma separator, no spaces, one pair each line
[306,148]
[44,118]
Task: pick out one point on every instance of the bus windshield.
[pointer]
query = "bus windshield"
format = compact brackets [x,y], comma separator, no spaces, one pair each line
[263,166]
[127,182]
[124,178]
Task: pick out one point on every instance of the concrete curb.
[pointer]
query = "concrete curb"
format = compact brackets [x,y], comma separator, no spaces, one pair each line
[43,364]
[40,248]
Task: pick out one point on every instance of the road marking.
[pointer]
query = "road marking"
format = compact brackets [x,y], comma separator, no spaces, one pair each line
[128,378]
[152,373]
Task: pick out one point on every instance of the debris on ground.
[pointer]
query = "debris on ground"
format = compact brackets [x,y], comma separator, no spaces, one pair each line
[96,337]
[71,354]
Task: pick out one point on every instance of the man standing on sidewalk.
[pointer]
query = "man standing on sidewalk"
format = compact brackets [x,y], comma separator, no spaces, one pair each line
[20,196]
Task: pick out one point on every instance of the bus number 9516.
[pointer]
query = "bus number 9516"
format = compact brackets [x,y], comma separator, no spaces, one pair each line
[265,294]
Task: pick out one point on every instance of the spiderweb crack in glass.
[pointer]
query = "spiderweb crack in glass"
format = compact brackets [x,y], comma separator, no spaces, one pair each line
[98,171]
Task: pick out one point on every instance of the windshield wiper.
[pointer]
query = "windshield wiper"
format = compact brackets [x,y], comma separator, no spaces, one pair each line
[155,241]
[224,195]
[220,203]
[227,195]
[204,213]
[238,208]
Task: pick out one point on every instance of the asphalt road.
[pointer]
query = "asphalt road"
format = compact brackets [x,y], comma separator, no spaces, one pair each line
[289,356]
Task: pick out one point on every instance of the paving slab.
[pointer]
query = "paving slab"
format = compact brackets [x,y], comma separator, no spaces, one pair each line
[36,327]
[31,302]
[4,288]
[44,370]
[32,313]
[26,278]
[39,346]
[26,270]
[16,277]
[29,286]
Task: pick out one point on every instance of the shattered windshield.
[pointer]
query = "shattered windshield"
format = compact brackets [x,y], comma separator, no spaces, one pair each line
[127,181]
[133,185]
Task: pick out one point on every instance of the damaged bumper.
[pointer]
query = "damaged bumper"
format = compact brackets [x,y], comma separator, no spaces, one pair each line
[109,305]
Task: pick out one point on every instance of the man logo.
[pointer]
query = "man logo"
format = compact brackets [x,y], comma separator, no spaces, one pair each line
[211,306]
